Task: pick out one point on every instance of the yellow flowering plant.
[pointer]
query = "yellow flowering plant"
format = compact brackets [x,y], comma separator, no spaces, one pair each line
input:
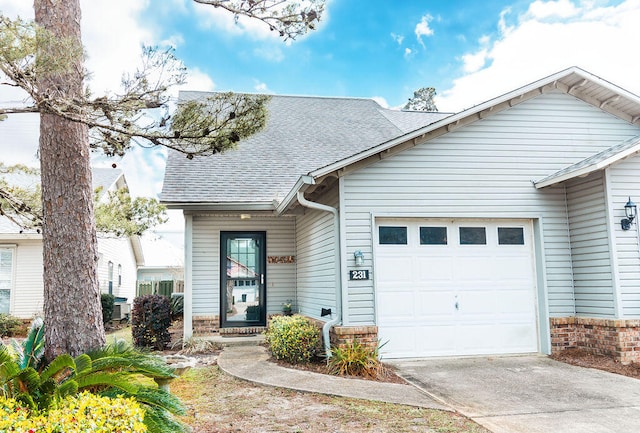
[75,414]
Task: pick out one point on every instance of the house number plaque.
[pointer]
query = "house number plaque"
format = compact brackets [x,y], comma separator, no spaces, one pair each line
[359,275]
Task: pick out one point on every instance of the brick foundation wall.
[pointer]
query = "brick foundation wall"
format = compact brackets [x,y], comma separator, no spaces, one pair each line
[340,336]
[343,335]
[618,338]
[205,325]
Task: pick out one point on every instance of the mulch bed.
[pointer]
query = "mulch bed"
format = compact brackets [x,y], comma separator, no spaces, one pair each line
[583,358]
[319,365]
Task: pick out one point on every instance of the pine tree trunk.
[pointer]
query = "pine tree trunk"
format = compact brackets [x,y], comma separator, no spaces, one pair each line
[72,309]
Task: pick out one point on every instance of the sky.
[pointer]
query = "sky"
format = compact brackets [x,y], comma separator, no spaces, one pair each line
[469,50]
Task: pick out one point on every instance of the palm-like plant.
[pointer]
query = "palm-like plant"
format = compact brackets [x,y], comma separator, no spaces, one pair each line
[116,369]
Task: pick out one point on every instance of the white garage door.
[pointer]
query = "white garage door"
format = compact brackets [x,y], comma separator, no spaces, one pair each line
[455,287]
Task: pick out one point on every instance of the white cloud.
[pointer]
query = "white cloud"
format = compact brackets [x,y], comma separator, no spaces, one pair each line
[475,61]
[547,9]
[198,80]
[381,101]
[261,87]
[397,38]
[14,8]
[407,52]
[423,29]
[594,37]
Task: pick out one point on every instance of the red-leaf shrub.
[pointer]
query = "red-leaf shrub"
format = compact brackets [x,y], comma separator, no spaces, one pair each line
[150,321]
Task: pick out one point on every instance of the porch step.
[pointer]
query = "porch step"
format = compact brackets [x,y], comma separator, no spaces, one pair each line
[237,340]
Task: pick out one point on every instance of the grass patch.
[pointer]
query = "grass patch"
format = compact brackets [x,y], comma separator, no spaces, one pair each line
[216,402]
[120,334]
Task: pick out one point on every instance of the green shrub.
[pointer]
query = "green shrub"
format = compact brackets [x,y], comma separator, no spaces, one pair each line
[177,307]
[82,413]
[150,321]
[116,370]
[107,300]
[294,339]
[355,359]
[10,326]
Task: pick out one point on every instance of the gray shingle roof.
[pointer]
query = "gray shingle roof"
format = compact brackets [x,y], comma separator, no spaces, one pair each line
[104,177]
[302,134]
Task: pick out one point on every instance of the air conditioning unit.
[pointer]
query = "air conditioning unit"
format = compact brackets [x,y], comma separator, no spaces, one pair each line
[121,310]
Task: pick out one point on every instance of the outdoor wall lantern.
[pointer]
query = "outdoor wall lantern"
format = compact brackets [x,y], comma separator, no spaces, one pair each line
[630,210]
[359,256]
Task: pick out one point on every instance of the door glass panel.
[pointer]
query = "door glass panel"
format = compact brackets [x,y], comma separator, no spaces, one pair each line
[243,280]
[510,236]
[473,236]
[392,235]
[433,236]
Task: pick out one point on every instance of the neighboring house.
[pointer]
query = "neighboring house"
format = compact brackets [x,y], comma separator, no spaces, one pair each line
[163,261]
[21,286]
[495,230]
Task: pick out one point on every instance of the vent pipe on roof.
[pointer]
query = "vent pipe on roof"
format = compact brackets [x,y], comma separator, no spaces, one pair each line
[336,227]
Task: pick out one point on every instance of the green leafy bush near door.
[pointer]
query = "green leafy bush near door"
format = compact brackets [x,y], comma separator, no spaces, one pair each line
[294,339]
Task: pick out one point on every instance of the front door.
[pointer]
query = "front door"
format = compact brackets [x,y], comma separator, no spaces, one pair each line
[242,286]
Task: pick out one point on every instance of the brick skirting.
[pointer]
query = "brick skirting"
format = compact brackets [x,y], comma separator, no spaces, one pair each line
[618,338]
[205,325]
[339,335]
[210,325]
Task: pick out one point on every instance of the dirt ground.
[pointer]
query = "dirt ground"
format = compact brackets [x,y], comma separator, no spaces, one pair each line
[218,403]
[582,358]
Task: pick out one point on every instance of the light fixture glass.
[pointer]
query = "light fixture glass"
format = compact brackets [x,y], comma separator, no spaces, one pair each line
[630,210]
[359,257]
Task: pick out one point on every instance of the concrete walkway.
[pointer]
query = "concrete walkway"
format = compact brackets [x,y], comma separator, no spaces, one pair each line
[251,363]
[530,394]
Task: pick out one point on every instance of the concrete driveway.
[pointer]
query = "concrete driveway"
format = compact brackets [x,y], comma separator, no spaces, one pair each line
[529,394]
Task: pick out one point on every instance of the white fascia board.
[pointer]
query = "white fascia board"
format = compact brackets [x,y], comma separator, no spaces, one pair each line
[302,184]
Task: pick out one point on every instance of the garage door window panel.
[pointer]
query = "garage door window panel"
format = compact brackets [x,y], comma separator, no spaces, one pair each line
[433,236]
[473,236]
[392,235]
[510,236]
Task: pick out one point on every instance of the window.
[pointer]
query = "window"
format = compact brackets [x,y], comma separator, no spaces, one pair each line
[119,275]
[510,236]
[473,236]
[6,278]
[110,276]
[433,236]
[388,235]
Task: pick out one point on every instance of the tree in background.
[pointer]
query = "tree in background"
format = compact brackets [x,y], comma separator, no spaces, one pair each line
[422,100]
[116,213]
[45,59]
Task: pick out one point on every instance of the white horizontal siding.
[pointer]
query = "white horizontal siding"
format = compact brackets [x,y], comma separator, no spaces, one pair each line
[120,252]
[28,289]
[591,259]
[624,183]
[316,274]
[485,170]
[280,277]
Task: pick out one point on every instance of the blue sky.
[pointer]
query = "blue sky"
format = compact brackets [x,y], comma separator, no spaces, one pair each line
[469,50]
[362,48]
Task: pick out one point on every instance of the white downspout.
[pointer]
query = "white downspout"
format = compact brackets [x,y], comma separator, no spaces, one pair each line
[336,227]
